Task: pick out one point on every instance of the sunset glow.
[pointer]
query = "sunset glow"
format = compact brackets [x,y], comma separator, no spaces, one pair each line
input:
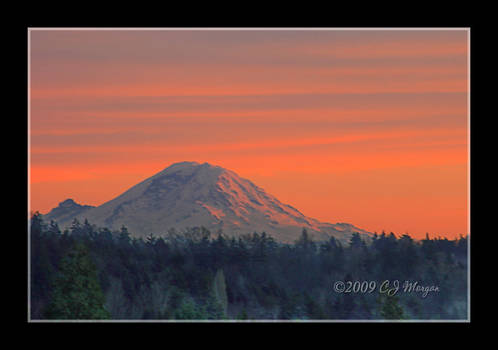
[368,127]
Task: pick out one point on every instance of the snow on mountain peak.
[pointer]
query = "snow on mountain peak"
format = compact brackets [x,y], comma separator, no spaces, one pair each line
[189,194]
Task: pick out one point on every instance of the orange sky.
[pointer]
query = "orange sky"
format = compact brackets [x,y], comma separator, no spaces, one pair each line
[361,126]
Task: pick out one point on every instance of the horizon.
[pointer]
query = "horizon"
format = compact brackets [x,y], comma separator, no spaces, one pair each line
[367,127]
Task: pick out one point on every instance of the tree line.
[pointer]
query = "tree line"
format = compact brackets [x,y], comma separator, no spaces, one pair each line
[89,272]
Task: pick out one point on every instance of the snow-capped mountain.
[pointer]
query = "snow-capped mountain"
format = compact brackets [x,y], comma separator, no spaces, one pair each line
[191,194]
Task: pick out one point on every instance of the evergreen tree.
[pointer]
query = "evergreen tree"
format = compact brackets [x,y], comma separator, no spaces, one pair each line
[53,228]
[189,310]
[390,308]
[220,290]
[243,315]
[313,308]
[214,309]
[356,241]
[37,225]
[76,291]
[305,242]
[124,236]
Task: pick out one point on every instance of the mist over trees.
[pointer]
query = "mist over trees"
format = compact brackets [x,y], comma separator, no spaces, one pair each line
[87,272]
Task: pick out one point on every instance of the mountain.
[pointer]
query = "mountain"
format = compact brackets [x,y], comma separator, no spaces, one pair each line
[190,194]
[66,211]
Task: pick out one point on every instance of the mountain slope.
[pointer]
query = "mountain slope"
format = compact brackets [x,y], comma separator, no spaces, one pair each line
[190,194]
